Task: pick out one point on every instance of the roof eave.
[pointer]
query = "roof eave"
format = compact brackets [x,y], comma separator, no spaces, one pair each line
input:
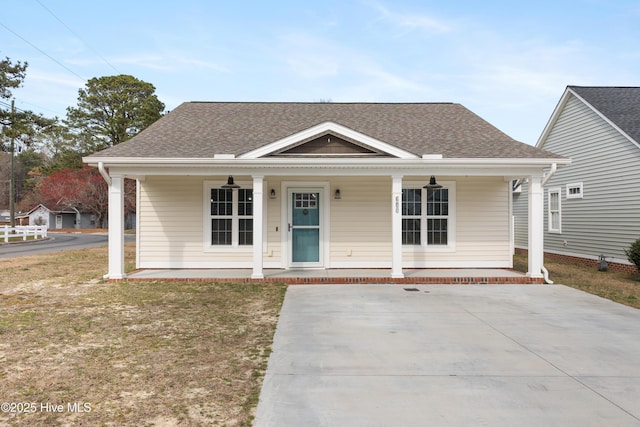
[209,166]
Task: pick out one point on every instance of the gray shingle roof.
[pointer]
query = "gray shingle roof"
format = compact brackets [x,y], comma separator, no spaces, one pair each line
[202,129]
[621,105]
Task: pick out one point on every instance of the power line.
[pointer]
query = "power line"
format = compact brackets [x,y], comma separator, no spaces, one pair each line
[77,36]
[6,104]
[41,107]
[43,52]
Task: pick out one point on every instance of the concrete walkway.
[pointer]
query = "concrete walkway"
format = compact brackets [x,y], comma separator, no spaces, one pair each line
[380,355]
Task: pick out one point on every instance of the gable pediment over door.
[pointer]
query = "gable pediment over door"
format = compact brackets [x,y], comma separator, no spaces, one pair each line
[328,140]
[329,145]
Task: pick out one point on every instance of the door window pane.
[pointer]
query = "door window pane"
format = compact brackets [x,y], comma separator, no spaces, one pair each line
[306,245]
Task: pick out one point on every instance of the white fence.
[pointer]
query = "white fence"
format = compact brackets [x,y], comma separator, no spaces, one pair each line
[24,231]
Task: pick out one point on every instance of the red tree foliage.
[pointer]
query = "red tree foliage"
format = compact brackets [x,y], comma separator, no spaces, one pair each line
[83,189]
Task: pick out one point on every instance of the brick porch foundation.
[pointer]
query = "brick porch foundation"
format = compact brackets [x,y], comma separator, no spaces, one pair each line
[584,262]
[453,280]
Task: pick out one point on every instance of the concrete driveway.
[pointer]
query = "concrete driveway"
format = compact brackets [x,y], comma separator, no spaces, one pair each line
[445,355]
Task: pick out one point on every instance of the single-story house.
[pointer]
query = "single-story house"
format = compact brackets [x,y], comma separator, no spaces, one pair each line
[5,216]
[56,219]
[592,206]
[323,186]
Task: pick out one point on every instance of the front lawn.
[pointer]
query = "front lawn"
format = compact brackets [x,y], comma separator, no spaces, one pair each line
[75,350]
[618,287]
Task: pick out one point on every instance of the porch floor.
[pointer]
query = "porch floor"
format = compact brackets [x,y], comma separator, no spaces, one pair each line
[340,276]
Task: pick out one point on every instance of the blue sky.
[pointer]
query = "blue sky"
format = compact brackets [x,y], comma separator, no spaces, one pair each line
[507,61]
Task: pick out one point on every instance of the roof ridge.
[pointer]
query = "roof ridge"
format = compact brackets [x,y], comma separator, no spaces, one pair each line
[321,102]
[605,87]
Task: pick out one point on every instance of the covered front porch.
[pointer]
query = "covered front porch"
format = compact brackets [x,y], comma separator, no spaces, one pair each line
[361,227]
[341,276]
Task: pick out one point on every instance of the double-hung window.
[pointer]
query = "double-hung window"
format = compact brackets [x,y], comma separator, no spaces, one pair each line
[427,216]
[555,210]
[411,216]
[229,217]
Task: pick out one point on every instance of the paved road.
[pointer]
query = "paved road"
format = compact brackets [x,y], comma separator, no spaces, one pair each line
[56,243]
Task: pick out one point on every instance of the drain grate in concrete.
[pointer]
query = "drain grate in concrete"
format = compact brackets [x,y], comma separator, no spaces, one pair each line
[414,290]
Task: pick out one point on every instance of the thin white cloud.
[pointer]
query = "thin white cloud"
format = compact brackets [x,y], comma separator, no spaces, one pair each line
[157,62]
[311,58]
[344,74]
[202,64]
[37,76]
[409,21]
[388,85]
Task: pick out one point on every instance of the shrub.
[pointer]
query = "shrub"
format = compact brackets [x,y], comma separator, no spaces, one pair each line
[633,253]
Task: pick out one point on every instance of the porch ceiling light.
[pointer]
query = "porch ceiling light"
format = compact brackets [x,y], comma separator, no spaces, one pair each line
[432,185]
[230,183]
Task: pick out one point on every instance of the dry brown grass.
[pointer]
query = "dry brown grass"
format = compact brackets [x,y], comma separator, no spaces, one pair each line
[138,354]
[618,287]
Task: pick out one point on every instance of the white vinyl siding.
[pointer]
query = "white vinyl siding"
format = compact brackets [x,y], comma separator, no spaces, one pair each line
[171,226]
[172,223]
[360,229]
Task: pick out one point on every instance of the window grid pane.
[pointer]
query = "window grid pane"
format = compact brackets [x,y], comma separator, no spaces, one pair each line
[411,201]
[410,231]
[554,201]
[221,231]
[438,202]
[555,220]
[306,201]
[245,202]
[437,231]
[437,206]
[221,202]
[245,232]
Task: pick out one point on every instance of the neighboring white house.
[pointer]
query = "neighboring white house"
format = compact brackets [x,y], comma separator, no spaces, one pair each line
[5,216]
[592,207]
[56,219]
[323,186]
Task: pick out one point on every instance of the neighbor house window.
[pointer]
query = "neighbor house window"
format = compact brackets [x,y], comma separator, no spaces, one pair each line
[427,217]
[230,217]
[574,191]
[555,211]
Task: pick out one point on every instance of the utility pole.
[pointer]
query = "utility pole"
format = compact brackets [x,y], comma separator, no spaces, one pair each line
[12,207]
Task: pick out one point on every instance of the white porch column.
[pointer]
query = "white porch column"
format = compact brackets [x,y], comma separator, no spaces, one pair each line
[258,207]
[536,227]
[116,228]
[396,227]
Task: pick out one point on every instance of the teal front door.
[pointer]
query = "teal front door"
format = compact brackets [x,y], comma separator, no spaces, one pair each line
[305,228]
